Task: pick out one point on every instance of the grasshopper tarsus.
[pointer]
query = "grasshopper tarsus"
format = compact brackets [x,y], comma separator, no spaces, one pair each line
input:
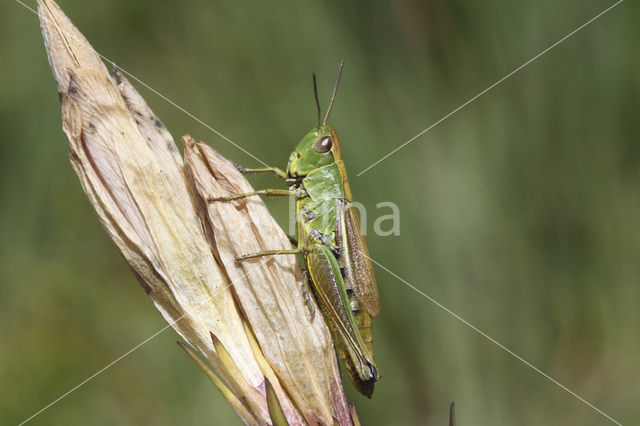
[307,301]
[240,168]
[224,199]
[306,294]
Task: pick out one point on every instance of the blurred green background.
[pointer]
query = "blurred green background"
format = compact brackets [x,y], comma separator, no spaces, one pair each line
[521,212]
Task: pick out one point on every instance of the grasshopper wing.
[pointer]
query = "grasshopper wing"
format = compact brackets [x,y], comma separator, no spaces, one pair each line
[332,298]
[356,260]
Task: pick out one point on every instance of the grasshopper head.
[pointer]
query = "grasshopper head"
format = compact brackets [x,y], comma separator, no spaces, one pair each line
[320,147]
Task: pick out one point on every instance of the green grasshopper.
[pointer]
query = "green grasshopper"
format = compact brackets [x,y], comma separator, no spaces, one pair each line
[330,240]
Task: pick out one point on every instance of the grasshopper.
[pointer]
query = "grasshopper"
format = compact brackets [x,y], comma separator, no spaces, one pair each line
[329,238]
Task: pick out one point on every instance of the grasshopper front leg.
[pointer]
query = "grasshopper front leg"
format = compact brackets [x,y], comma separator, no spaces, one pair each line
[277,171]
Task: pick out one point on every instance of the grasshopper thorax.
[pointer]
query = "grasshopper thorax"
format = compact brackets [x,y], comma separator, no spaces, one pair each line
[318,148]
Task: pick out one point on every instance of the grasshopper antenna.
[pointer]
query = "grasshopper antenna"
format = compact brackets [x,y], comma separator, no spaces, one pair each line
[315,92]
[335,89]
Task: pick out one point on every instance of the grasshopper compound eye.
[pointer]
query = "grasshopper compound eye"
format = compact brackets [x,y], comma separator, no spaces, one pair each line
[323,145]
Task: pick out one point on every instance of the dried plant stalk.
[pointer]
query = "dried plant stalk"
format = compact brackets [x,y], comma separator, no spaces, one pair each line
[248,320]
